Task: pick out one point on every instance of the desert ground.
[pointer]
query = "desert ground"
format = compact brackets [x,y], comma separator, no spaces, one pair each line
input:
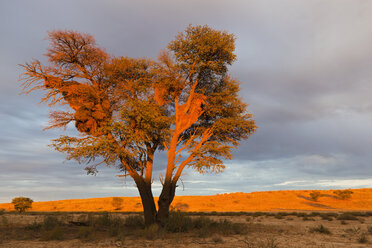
[284,200]
[278,219]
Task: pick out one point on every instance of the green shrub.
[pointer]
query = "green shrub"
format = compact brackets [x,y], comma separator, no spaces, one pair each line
[320,229]
[21,204]
[343,194]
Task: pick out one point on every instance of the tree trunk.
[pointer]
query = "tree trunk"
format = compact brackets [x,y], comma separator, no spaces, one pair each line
[148,203]
[165,199]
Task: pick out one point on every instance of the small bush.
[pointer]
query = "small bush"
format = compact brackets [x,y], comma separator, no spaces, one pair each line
[269,243]
[320,229]
[217,240]
[369,228]
[326,217]
[152,232]
[50,222]
[86,233]
[105,219]
[55,234]
[347,216]
[227,227]
[2,211]
[34,227]
[363,239]
[117,203]
[353,231]
[21,204]
[343,194]
[178,222]
[134,221]
[315,195]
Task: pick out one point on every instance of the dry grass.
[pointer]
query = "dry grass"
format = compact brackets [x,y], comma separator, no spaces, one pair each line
[191,230]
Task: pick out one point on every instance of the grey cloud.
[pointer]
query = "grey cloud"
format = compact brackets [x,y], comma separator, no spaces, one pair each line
[305,69]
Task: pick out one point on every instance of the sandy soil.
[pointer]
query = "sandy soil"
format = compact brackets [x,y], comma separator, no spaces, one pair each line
[263,232]
[289,200]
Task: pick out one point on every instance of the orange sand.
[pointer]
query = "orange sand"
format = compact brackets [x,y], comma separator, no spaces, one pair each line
[288,200]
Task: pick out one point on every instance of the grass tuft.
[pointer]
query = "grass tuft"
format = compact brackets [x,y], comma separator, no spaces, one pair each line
[320,229]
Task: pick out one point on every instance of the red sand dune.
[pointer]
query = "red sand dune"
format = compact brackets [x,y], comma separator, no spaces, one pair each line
[285,200]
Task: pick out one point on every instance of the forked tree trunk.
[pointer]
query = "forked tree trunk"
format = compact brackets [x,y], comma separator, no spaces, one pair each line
[165,199]
[148,202]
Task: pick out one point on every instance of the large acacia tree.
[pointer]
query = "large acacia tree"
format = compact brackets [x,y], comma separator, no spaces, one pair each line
[125,109]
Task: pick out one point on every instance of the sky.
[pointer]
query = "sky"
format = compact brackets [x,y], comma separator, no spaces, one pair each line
[305,69]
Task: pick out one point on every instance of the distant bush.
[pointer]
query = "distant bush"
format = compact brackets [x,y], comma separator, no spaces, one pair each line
[320,229]
[343,194]
[347,216]
[21,204]
[117,203]
[315,195]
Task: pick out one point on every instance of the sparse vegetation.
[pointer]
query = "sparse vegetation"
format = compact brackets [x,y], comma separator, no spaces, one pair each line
[320,229]
[369,229]
[221,228]
[315,195]
[349,216]
[363,238]
[21,204]
[343,194]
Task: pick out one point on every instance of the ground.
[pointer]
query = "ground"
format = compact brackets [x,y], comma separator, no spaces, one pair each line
[287,219]
[263,230]
[292,200]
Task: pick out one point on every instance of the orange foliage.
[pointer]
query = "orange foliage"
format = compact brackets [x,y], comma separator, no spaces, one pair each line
[287,200]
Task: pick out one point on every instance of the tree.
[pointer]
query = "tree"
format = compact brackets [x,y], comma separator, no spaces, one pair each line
[314,195]
[343,194]
[21,204]
[126,109]
[117,203]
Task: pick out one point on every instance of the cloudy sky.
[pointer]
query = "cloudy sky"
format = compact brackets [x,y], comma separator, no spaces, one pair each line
[305,69]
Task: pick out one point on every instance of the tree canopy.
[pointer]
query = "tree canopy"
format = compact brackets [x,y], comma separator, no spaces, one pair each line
[21,204]
[126,109]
